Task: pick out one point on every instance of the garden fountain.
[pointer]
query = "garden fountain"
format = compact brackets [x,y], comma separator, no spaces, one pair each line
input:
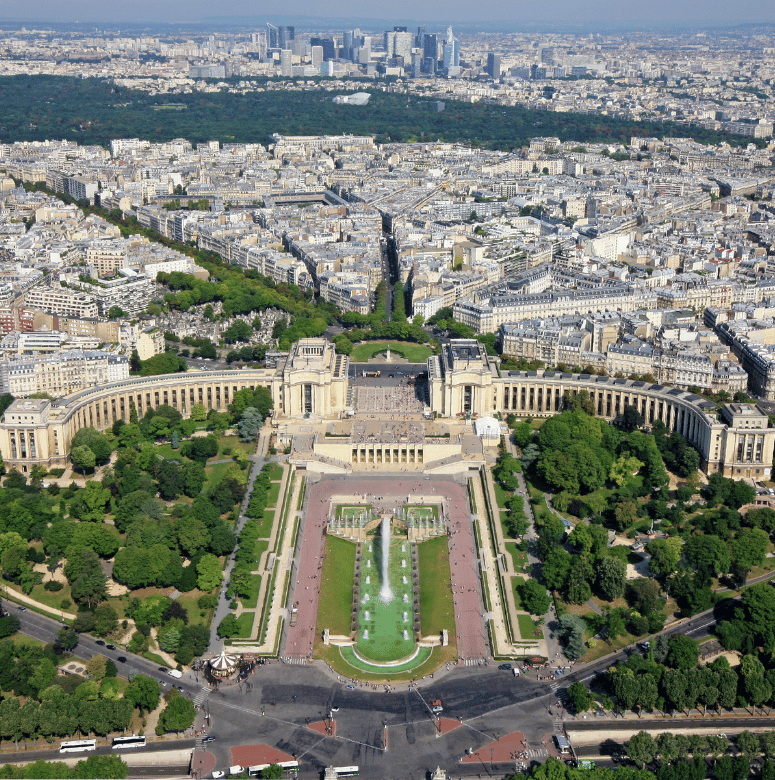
[385,593]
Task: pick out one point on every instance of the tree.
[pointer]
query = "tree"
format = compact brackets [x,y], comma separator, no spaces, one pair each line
[571,631]
[193,475]
[210,574]
[114,312]
[67,639]
[83,458]
[96,666]
[249,424]
[580,696]
[97,442]
[534,596]
[275,772]
[625,514]
[178,715]
[641,748]
[665,555]
[748,549]
[143,692]
[229,627]
[106,620]
[707,553]
[683,652]
[611,574]
[87,582]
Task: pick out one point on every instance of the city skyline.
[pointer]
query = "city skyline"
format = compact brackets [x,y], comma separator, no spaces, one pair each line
[554,13]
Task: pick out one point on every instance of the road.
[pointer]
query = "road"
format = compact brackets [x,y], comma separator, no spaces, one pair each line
[491,703]
[45,629]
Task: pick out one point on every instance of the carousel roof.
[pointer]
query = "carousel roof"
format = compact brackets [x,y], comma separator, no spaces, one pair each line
[223,661]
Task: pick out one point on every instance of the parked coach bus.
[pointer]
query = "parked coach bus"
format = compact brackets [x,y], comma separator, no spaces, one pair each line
[78,745]
[120,743]
[346,771]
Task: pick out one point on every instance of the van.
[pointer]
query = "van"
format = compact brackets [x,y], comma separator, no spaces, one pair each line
[515,671]
[175,673]
[235,770]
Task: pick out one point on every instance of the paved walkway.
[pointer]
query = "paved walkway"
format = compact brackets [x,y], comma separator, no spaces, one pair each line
[222,608]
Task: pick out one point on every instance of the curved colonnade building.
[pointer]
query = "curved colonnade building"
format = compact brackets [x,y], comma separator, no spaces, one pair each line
[463,382]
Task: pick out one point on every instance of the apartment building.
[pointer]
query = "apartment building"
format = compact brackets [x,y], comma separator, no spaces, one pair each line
[63,301]
[61,373]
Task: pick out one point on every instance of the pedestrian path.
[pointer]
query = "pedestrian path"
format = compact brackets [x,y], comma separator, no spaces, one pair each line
[202,695]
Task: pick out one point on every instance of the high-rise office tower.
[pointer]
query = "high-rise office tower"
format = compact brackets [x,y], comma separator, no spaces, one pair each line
[494,65]
[347,45]
[451,51]
[389,44]
[419,38]
[329,47]
[290,31]
[317,55]
[271,36]
[282,37]
[416,64]
[430,53]
[403,45]
[286,62]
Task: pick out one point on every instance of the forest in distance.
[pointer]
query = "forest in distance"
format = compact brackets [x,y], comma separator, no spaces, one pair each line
[94,111]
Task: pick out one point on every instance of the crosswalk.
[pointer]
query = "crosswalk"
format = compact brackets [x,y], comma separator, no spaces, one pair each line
[537,753]
[296,659]
[202,695]
[473,661]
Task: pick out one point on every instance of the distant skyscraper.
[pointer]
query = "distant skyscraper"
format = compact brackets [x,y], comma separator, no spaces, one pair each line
[317,55]
[494,65]
[451,51]
[286,62]
[282,37]
[347,44]
[430,53]
[329,47]
[419,38]
[271,36]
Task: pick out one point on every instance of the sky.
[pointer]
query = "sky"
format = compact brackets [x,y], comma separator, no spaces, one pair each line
[605,13]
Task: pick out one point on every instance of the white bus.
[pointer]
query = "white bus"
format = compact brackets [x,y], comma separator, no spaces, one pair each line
[78,745]
[346,771]
[121,743]
[291,766]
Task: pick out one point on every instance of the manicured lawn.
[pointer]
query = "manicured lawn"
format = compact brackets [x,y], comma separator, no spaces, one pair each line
[527,627]
[500,495]
[214,474]
[265,527]
[274,494]
[275,470]
[249,602]
[188,600]
[436,608]
[516,582]
[54,600]
[414,353]
[245,621]
[233,442]
[519,557]
[260,548]
[336,586]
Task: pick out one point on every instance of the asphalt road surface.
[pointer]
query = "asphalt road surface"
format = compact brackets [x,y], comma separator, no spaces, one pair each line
[284,698]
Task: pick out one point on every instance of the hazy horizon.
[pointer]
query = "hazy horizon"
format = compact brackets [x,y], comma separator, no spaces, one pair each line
[602,14]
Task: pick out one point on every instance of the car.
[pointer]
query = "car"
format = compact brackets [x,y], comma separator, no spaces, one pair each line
[208,739]
[110,647]
[121,659]
[505,667]
[22,608]
[334,709]
[350,687]
[162,669]
[218,773]
[721,736]
[100,643]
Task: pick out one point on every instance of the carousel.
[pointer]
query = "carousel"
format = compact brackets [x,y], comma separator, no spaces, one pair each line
[223,666]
